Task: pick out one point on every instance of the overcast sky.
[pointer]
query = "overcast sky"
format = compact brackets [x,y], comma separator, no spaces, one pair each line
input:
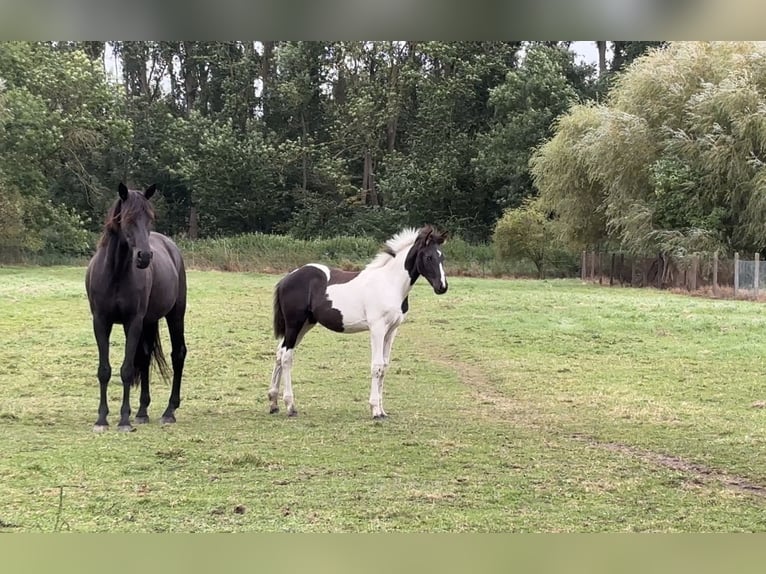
[586,51]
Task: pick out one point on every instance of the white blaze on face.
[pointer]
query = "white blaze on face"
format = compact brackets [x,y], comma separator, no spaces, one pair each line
[324,268]
[442,276]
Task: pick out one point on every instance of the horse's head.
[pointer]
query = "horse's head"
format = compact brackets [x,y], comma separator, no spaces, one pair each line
[427,259]
[133,217]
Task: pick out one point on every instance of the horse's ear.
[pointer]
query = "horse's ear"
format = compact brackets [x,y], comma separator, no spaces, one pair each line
[150,191]
[441,237]
[426,234]
[123,191]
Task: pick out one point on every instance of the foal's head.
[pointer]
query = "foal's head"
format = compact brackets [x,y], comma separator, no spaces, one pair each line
[426,258]
[131,218]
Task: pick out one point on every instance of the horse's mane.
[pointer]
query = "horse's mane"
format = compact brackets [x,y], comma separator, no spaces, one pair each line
[124,211]
[398,243]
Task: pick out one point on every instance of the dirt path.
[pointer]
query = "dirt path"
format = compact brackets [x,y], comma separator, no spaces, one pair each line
[698,473]
[474,377]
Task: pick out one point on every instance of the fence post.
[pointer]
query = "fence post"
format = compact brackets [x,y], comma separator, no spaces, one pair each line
[693,279]
[756,273]
[592,265]
[600,267]
[584,266]
[715,274]
[660,270]
[611,271]
[622,269]
[736,273]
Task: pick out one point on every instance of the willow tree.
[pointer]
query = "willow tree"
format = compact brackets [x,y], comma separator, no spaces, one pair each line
[674,159]
[562,170]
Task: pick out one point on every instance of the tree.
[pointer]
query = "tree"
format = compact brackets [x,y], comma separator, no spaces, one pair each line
[673,162]
[526,232]
[525,106]
[431,176]
[63,141]
[234,177]
[11,226]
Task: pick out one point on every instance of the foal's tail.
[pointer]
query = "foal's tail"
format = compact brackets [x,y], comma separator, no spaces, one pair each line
[279,318]
[150,349]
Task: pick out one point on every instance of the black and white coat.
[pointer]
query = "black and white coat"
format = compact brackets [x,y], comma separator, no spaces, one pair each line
[374,299]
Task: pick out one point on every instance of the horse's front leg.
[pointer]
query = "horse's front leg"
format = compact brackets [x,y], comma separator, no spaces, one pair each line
[388,342]
[378,368]
[102,329]
[128,370]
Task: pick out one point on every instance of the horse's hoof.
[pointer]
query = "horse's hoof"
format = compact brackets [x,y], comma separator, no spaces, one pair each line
[292,413]
[126,428]
[168,420]
[379,417]
[273,410]
[141,420]
[100,428]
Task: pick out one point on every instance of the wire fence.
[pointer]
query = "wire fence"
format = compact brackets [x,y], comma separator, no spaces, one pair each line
[720,277]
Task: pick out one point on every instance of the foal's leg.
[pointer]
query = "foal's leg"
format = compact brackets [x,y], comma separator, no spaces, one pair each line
[378,333]
[388,341]
[284,366]
[102,329]
[276,376]
[175,320]
[127,371]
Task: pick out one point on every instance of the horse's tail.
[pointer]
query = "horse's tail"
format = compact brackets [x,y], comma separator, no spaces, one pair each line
[279,318]
[159,357]
[150,349]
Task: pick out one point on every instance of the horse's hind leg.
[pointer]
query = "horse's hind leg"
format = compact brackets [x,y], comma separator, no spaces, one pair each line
[276,376]
[175,320]
[283,366]
[143,361]
[133,330]
[102,330]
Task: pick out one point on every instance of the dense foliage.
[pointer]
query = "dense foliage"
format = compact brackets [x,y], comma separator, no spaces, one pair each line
[310,139]
[527,232]
[672,161]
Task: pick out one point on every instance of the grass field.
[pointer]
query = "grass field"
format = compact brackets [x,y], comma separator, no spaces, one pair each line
[525,406]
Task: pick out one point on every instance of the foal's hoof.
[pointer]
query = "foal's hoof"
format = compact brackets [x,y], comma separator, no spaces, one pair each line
[380,417]
[292,413]
[273,410]
[142,420]
[126,428]
[100,428]
[168,419]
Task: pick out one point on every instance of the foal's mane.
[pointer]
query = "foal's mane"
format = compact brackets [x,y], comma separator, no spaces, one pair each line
[125,211]
[399,242]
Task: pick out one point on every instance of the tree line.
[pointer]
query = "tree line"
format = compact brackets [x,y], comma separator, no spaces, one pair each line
[311,139]
[670,162]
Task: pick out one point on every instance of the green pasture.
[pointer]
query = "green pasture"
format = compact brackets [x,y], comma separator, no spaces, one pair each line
[515,406]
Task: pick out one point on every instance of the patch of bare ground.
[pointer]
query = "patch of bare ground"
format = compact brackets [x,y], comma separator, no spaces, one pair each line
[473,376]
[698,473]
[486,395]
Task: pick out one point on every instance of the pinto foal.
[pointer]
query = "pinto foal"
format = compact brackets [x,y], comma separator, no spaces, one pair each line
[374,299]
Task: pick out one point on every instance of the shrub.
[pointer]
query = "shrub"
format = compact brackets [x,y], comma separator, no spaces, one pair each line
[528,233]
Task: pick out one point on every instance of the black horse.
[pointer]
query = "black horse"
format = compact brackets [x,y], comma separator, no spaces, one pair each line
[136,278]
